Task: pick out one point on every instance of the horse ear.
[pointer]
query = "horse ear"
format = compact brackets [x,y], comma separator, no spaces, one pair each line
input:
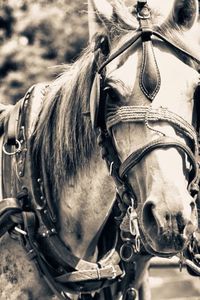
[99,11]
[185,13]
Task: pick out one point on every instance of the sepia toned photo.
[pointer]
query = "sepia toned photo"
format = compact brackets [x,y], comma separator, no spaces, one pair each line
[99,150]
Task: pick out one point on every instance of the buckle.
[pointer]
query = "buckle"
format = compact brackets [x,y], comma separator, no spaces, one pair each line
[113,274]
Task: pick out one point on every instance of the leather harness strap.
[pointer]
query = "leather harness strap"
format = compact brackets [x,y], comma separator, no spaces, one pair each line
[92,274]
[8,204]
[13,122]
[160,143]
[8,208]
[149,80]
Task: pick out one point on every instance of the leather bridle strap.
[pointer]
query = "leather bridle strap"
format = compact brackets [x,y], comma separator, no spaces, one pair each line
[123,48]
[133,40]
[162,143]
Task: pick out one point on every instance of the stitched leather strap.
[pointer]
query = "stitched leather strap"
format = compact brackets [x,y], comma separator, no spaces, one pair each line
[9,205]
[149,75]
[125,46]
[176,46]
[134,39]
[8,208]
[163,142]
[12,132]
[108,272]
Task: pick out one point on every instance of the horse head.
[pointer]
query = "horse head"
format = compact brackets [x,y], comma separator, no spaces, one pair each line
[148,82]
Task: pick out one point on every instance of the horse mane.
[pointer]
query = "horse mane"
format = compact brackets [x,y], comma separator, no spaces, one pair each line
[64,141]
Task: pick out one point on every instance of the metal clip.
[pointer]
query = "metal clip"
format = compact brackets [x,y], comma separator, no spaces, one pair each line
[133,227]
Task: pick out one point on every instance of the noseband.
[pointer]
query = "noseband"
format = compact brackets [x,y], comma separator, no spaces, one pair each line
[104,119]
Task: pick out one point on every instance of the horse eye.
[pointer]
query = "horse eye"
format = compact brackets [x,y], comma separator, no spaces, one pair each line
[113,96]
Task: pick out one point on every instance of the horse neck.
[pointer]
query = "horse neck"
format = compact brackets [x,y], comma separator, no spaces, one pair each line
[85,206]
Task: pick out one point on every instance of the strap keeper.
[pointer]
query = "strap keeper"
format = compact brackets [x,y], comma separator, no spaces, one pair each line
[114,272]
[98,273]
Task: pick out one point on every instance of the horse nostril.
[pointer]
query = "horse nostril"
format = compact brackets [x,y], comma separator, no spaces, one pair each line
[193,206]
[181,222]
[151,221]
[167,217]
[148,206]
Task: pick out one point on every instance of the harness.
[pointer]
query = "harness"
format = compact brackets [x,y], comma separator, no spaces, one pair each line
[32,215]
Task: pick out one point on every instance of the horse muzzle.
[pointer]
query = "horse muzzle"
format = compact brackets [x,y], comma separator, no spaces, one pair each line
[167,232]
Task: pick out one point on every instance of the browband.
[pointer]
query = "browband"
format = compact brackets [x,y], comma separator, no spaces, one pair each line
[138,35]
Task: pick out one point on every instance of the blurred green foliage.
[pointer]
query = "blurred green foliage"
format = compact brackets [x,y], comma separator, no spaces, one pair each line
[35,35]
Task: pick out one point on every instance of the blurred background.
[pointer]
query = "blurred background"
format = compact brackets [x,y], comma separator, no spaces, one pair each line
[36,35]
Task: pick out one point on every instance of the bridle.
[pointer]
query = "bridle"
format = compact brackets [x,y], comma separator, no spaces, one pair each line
[103,118]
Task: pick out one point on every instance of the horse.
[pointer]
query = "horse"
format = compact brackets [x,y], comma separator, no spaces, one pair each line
[99,168]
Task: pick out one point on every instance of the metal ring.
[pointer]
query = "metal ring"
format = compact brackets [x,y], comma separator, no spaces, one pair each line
[124,247]
[18,148]
[144,17]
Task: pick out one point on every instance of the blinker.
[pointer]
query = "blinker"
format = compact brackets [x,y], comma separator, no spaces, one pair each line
[98,99]
[95,100]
